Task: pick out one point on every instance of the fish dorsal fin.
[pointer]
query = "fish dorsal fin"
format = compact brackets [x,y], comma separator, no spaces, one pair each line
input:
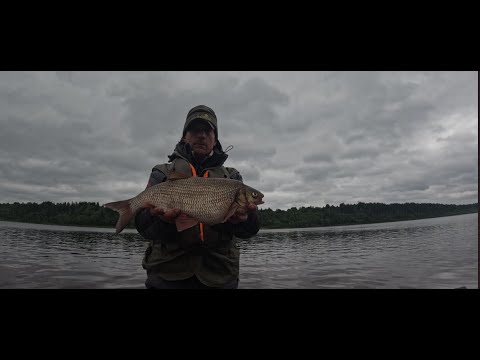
[176,175]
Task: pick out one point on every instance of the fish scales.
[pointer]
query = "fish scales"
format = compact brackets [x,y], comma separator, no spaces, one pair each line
[207,200]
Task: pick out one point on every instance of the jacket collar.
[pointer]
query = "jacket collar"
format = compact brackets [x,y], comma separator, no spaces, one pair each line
[184,151]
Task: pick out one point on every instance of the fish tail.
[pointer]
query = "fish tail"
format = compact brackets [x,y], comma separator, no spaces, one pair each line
[125,211]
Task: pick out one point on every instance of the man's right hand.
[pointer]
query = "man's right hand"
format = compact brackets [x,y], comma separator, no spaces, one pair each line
[167,216]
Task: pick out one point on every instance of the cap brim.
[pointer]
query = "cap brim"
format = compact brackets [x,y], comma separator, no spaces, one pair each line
[199,120]
[203,116]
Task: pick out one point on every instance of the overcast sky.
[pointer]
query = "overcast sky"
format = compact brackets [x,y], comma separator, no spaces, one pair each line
[301,138]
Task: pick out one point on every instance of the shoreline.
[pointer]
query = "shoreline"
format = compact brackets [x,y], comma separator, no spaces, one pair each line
[261,228]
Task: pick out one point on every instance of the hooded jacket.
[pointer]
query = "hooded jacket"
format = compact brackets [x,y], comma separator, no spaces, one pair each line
[177,256]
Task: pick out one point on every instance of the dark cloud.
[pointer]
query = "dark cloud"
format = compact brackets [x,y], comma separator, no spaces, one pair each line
[302,138]
[318,157]
[407,185]
[254,153]
[364,150]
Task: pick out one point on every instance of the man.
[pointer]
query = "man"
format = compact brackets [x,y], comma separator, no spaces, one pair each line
[182,259]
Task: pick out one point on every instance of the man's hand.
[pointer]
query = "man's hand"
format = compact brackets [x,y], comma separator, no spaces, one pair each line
[167,216]
[241,215]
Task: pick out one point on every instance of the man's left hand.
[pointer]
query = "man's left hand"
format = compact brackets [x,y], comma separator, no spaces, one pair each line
[241,215]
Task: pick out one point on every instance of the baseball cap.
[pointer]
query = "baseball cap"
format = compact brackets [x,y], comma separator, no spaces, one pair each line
[201,113]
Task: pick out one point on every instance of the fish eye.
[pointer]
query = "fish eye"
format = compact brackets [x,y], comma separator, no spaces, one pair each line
[254,194]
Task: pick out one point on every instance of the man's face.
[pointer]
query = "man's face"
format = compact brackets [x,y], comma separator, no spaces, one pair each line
[201,138]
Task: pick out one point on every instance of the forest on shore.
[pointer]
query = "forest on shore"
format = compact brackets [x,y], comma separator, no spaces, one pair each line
[94,215]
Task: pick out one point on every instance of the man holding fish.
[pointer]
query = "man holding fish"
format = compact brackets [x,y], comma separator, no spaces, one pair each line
[192,210]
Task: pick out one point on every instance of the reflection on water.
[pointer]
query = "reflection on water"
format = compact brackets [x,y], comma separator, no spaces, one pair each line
[42,258]
[431,253]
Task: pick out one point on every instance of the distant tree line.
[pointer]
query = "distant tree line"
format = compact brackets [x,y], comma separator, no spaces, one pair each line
[360,213]
[92,214]
[74,213]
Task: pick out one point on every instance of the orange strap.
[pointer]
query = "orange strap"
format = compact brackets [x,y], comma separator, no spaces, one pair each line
[193,170]
[194,173]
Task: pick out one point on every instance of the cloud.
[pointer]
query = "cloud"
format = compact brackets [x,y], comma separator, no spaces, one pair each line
[302,138]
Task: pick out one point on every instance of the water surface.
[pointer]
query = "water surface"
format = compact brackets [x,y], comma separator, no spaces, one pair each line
[429,253]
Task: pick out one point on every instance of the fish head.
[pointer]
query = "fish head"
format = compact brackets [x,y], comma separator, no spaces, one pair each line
[252,196]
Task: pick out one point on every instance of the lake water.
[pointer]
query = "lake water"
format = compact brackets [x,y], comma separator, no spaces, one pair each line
[432,253]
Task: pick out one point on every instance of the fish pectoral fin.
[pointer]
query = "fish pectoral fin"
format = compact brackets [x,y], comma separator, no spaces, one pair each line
[233,208]
[176,175]
[148,204]
[184,221]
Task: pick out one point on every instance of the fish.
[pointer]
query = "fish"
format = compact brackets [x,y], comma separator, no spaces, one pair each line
[202,200]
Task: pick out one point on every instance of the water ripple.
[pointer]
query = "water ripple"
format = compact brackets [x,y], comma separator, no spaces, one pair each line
[431,253]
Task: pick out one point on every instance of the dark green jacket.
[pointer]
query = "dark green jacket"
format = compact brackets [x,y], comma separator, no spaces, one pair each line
[178,256]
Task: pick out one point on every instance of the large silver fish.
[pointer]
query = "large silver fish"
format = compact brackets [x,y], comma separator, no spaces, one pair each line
[208,201]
